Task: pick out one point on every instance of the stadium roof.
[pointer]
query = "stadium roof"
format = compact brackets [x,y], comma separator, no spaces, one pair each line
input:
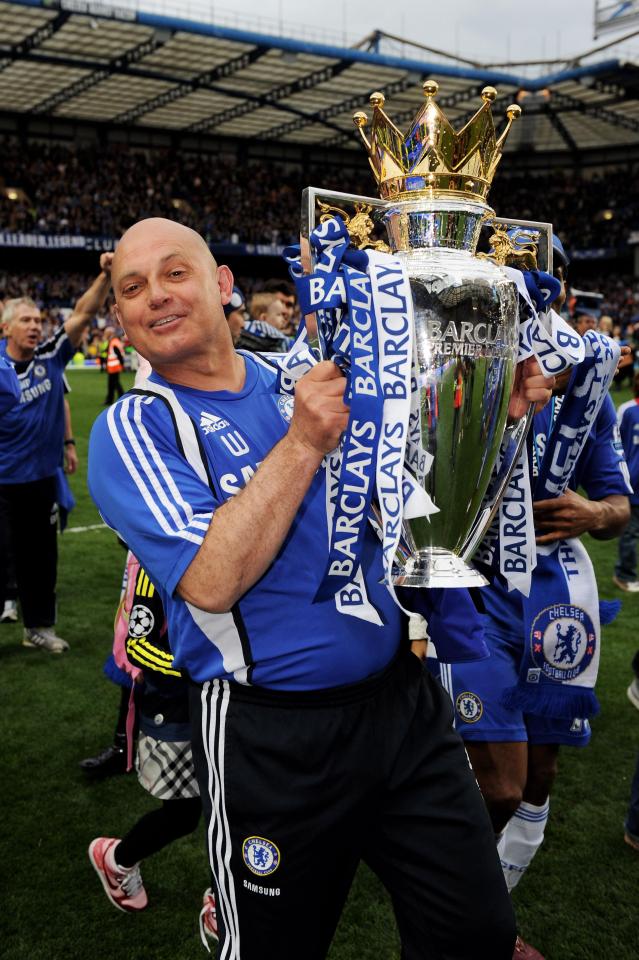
[76,60]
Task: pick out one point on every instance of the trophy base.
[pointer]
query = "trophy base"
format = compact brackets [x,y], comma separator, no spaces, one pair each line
[436,569]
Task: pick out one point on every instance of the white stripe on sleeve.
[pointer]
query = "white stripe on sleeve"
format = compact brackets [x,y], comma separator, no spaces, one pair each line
[155,508]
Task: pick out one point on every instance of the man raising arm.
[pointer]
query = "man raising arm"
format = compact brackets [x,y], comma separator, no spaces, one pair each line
[31,444]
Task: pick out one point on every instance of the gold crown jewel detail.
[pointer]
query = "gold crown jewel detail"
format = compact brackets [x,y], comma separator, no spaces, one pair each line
[433,159]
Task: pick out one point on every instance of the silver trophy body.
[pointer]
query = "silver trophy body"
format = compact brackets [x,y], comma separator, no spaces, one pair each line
[465,353]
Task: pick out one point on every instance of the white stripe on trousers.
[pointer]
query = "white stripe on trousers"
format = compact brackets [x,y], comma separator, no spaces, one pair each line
[218,832]
[446,678]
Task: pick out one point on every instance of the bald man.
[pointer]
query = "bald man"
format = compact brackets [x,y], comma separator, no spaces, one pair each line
[318,738]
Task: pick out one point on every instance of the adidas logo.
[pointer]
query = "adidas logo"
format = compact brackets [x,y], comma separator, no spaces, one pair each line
[211,424]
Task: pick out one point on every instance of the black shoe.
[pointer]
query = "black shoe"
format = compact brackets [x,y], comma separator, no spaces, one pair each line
[106,764]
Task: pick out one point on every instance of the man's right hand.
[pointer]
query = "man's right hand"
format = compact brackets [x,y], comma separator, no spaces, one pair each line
[106,260]
[320,415]
[238,548]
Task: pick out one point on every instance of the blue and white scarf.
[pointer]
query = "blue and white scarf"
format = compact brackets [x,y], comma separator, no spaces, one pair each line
[561,615]
[510,542]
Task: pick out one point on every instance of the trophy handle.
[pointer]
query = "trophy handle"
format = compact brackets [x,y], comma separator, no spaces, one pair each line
[512,444]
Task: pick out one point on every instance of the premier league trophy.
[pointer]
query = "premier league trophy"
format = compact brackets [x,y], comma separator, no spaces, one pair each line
[433,184]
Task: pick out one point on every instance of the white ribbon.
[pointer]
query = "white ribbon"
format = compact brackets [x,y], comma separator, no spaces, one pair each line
[394,317]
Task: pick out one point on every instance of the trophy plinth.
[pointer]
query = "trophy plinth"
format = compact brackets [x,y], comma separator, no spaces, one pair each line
[436,567]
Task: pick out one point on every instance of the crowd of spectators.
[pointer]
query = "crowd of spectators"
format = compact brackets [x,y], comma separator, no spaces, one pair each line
[101,190]
[597,211]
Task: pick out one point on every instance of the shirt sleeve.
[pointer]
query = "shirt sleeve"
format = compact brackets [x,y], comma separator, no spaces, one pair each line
[146,490]
[9,386]
[58,349]
[605,471]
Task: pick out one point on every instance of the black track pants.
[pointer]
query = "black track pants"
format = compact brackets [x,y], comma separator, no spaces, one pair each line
[28,515]
[157,829]
[114,388]
[298,788]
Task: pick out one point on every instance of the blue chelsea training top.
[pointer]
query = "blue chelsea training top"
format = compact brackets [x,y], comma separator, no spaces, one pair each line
[148,491]
[32,431]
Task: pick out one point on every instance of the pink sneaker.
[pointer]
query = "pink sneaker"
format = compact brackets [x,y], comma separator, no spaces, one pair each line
[122,885]
[524,951]
[208,918]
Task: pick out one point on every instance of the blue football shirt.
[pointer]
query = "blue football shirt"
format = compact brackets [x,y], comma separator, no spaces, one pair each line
[628,420]
[9,386]
[601,470]
[32,432]
[275,635]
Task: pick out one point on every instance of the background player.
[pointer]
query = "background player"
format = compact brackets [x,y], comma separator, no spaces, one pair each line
[513,754]
[31,444]
[165,762]
[628,419]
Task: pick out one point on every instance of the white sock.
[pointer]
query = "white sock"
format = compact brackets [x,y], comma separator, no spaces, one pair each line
[520,841]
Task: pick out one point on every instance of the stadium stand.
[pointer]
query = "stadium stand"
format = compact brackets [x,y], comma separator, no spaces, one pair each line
[98,192]
[135,125]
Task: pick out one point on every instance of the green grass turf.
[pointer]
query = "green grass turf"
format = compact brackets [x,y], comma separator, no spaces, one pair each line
[577,902]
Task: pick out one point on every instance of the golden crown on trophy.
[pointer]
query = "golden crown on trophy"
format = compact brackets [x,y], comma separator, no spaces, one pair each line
[432,159]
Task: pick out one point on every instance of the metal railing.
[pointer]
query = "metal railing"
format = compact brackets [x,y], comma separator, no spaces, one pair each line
[207,11]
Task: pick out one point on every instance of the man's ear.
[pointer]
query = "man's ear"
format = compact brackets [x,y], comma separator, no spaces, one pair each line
[225,282]
[118,315]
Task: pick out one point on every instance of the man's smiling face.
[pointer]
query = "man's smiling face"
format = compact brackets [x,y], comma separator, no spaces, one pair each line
[169,292]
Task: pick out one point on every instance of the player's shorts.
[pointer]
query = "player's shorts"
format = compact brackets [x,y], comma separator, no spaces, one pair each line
[476,690]
[165,768]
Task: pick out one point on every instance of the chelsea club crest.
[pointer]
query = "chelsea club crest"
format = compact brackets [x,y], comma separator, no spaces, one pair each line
[285,403]
[469,707]
[261,856]
[39,371]
[562,641]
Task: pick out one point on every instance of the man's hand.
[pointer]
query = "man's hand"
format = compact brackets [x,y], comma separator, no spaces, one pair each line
[70,458]
[90,302]
[530,386]
[320,415]
[571,515]
[106,259]
[625,358]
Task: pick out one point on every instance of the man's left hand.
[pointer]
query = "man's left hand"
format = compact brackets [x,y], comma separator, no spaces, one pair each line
[530,386]
[566,516]
[70,458]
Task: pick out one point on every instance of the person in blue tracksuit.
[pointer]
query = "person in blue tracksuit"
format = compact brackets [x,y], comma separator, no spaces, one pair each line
[319,740]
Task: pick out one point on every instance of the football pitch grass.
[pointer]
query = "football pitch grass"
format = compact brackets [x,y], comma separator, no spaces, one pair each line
[578,901]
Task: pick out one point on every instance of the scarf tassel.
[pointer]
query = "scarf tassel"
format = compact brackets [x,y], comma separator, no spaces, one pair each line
[608,611]
[563,702]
